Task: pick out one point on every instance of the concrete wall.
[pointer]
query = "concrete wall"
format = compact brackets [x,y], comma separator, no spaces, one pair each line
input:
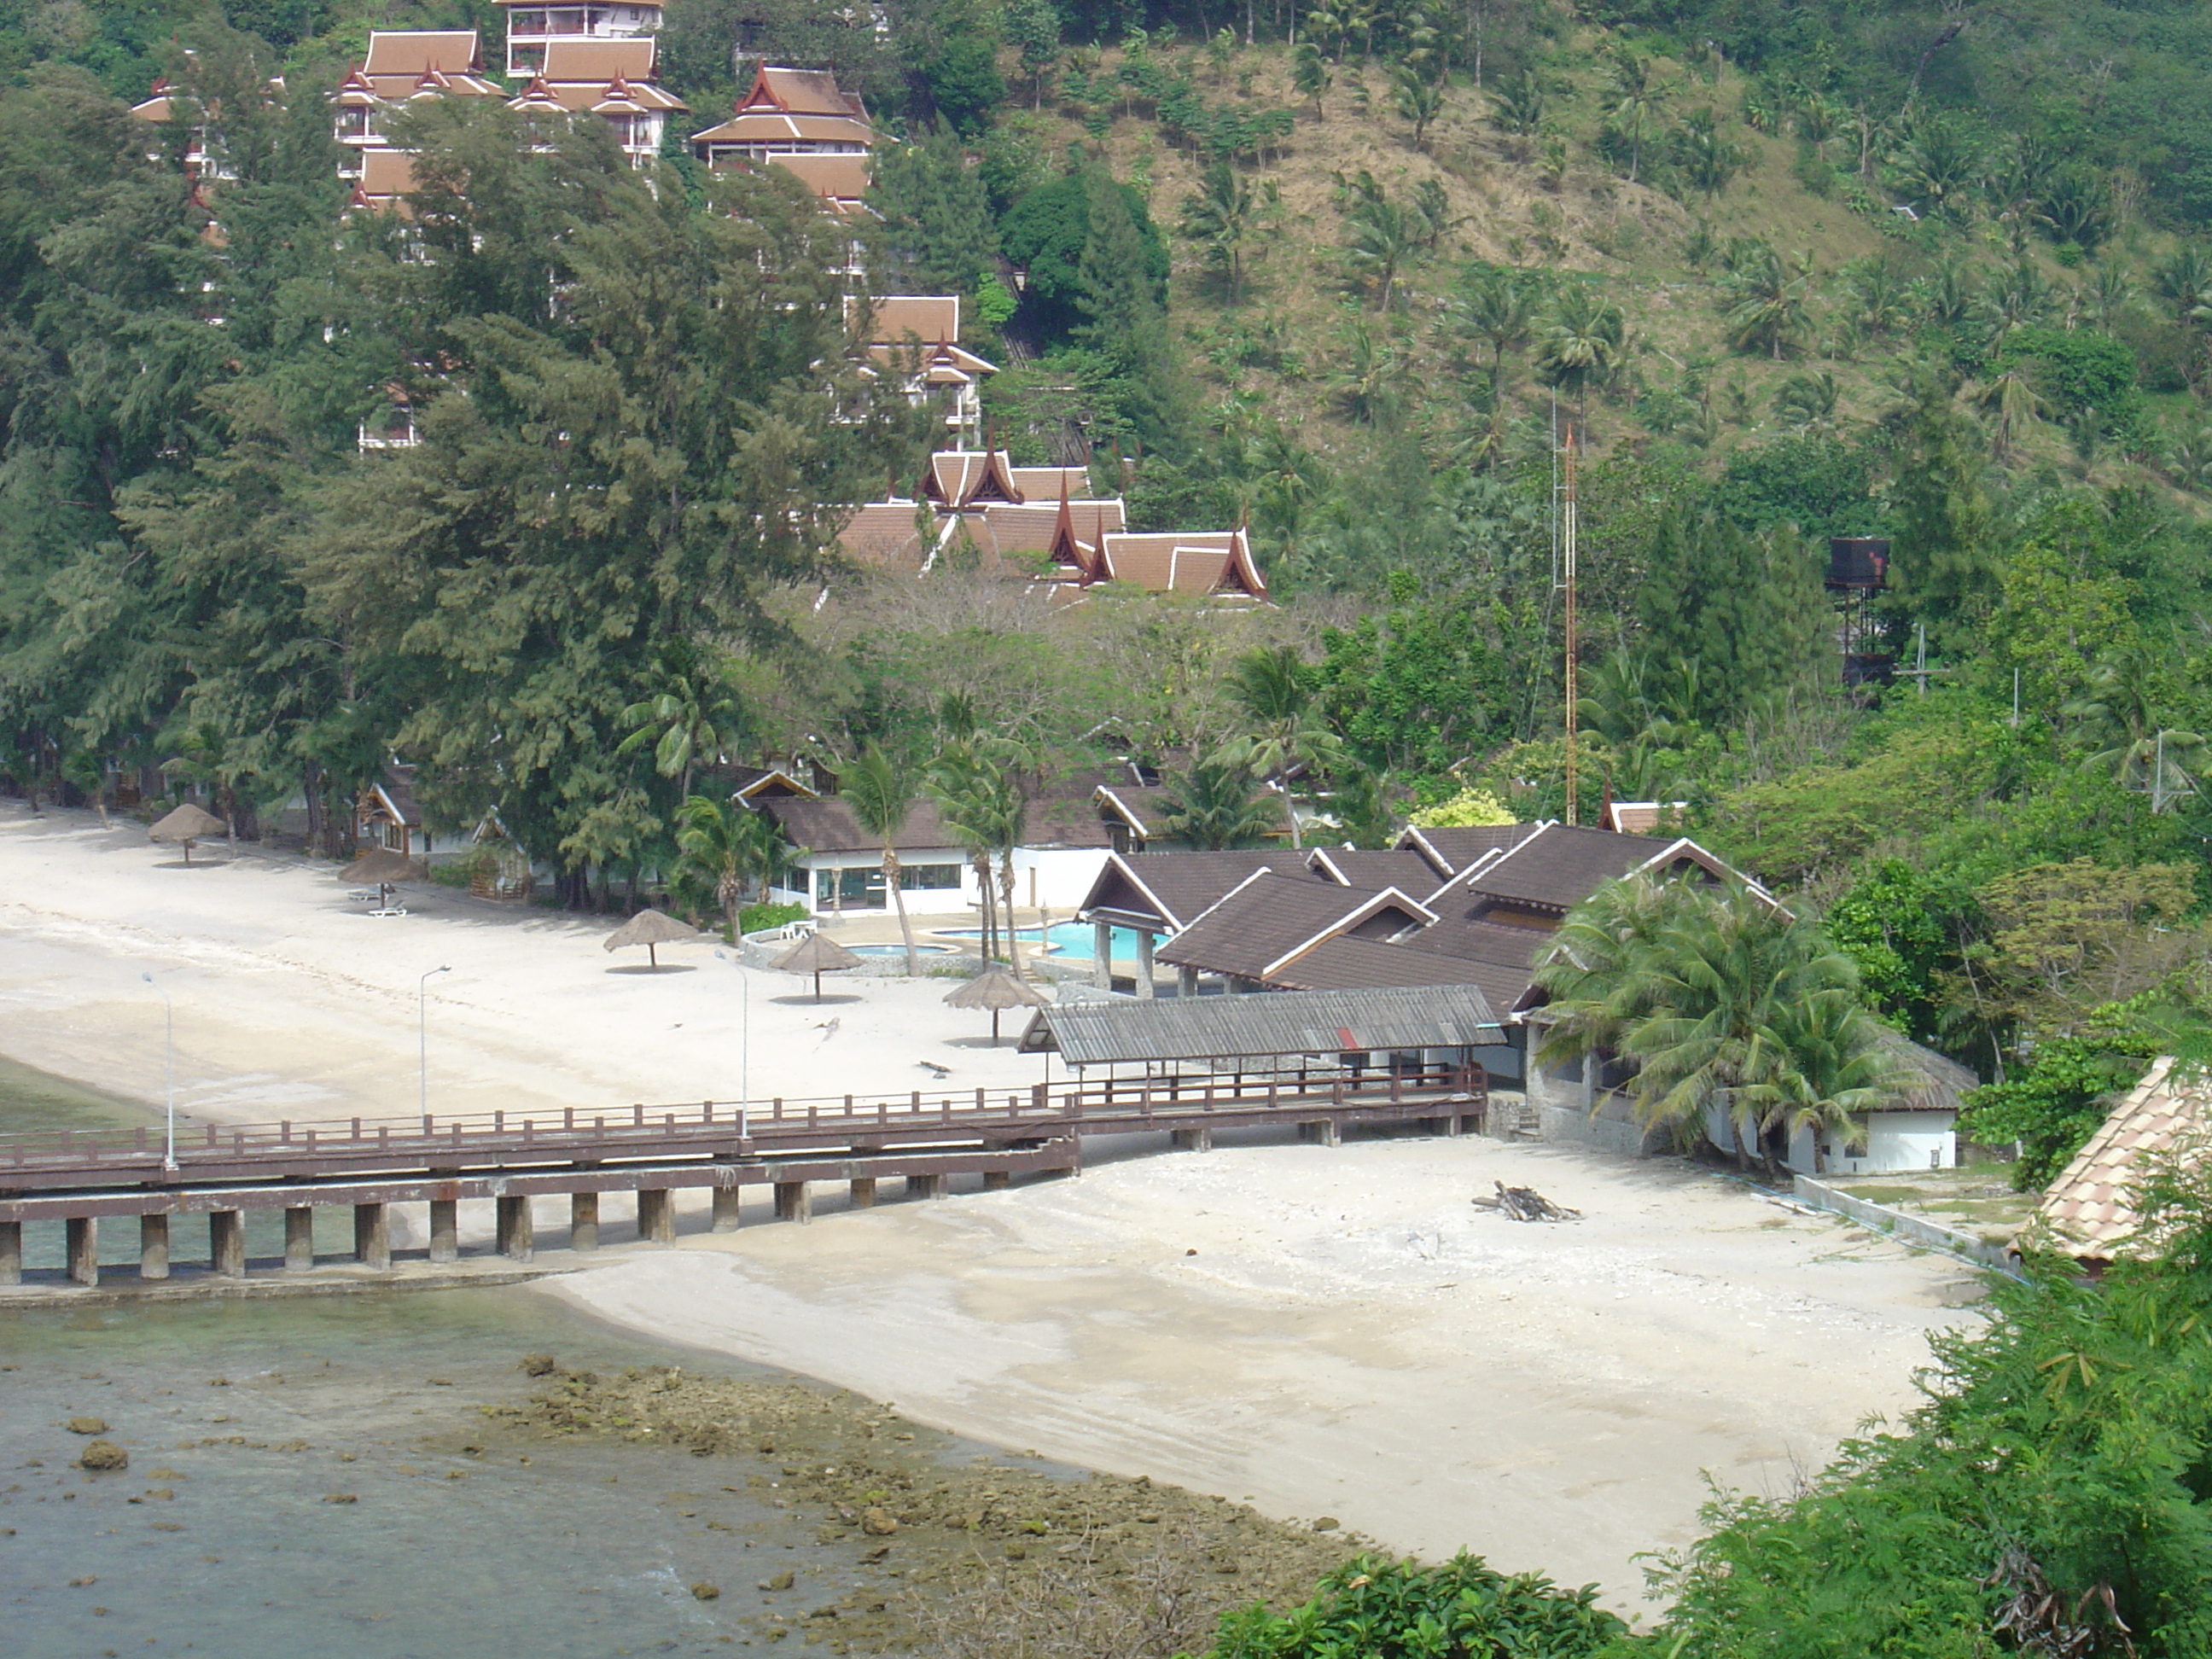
[1895,1142]
[1918,1229]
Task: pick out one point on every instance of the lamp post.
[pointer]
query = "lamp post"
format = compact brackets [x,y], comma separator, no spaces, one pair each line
[744,1045]
[169,1073]
[423,1033]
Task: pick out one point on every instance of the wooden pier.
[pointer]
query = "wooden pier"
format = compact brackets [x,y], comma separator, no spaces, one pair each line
[921,1140]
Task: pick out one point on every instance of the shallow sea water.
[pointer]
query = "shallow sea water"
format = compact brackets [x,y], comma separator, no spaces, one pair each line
[457,1539]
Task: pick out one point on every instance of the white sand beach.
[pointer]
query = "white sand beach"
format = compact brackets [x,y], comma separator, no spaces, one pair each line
[1328,1332]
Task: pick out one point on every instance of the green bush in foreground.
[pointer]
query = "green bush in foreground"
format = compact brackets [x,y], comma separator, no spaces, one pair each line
[1370,1608]
[754,917]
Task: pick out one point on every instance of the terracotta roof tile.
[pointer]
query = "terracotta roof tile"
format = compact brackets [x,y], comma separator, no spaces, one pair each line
[2089,1211]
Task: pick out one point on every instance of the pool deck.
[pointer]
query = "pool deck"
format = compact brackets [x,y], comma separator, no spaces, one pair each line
[876,928]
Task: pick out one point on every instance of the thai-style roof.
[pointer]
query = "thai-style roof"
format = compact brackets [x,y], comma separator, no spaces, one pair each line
[1267,920]
[931,319]
[2089,1212]
[1637,817]
[1346,963]
[812,92]
[1170,890]
[386,176]
[1371,871]
[828,825]
[1451,851]
[1208,563]
[405,63]
[840,180]
[601,58]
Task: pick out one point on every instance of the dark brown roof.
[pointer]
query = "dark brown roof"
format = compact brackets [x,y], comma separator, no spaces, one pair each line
[1268,918]
[1177,888]
[1505,954]
[1558,867]
[1342,965]
[1142,809]
[1453,850]
[1371,871]
[829,826]
[1066,816]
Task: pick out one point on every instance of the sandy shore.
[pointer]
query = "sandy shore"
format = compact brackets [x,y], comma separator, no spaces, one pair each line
[1326,1331]
[292,1002]
[1341,1333]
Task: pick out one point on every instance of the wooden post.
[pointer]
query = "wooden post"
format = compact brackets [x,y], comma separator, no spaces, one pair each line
[152,1246]
[656,1216]
[82,1248]
[371,1237]
[11,1252]
[445,1229]
[729,1209]
[793,1201]
[512,1231]
[299,1239]
[863,1193]
[583,1221]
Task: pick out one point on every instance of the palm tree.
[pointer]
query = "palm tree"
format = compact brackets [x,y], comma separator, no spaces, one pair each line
[1497,307]
[1517,107]
[1420,98]
[1632,103]
[1385,237]
[691,715]
[728,851]
[880,793]
[1769,310]
[2013,405]
[1938,167]
[1309,74]
[977,787]
[1230,219]
[1839,1070]
[1580,341]
[1284,735]
[1709,990]
[1219,803]
[1806,402]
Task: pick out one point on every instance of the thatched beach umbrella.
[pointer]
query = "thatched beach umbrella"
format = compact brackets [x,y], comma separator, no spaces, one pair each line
[653,930]
[386,868]
[816,954]
[996,989]
[187,824]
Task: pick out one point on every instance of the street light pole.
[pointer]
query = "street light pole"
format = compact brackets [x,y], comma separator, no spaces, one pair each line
[423,1033]
[169,1073]
[744,1045]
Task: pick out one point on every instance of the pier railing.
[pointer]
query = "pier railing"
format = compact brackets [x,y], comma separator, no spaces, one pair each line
[772,1127]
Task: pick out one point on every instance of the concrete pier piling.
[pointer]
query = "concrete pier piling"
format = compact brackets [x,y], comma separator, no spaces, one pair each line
[83,1248]
[299,1239]
[729,1209]
[445,1229]
[511,1229]
[152,1246]
[793,1202]
[227,1243]
[997,1179]
[1191,1140]
[371,1237]
[656,1216]
[583,1221]
[863,1193]
[925,1186]
[1320,1133]
[11,1252]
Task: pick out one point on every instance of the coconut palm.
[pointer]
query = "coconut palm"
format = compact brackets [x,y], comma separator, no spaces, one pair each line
[1632,103]
[1838,1071]
[880,793]
[1230,219]
[1767,312]
[2013,405]
[1581,342]
[725,852]
[1497,307]
[1219,804]
[1938,167]
[1419,95]
[691,715]
[977,787]
[1517,105]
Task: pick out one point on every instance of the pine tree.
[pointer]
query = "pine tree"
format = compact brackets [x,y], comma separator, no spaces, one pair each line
[938,227]
[1123,298]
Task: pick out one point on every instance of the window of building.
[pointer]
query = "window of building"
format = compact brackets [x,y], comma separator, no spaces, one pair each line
[912,876]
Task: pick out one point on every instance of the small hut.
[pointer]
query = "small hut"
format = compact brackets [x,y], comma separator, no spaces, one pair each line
[187,824]
[816,954]
[998,990]
[653,930]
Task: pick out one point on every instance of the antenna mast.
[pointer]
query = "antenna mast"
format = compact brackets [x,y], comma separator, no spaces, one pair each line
[1567,569]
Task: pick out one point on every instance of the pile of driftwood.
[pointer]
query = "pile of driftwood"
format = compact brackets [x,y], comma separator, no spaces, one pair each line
[1527,1204]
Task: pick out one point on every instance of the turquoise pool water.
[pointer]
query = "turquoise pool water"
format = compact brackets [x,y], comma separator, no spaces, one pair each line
[1070,938]
[898,950]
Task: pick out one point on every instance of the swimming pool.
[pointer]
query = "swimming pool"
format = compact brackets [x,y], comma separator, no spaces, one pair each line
[1069,939]
[899,950]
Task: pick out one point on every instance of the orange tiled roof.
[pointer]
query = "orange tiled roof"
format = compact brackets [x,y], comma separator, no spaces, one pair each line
[2089,1212]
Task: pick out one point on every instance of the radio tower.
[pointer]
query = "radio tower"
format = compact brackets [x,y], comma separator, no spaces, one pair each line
[1567,570]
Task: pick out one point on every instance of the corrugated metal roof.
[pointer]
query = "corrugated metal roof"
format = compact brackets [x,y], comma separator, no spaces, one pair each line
[1266,1023]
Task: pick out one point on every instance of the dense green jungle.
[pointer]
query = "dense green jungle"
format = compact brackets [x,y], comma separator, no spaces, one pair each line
[1356,274]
